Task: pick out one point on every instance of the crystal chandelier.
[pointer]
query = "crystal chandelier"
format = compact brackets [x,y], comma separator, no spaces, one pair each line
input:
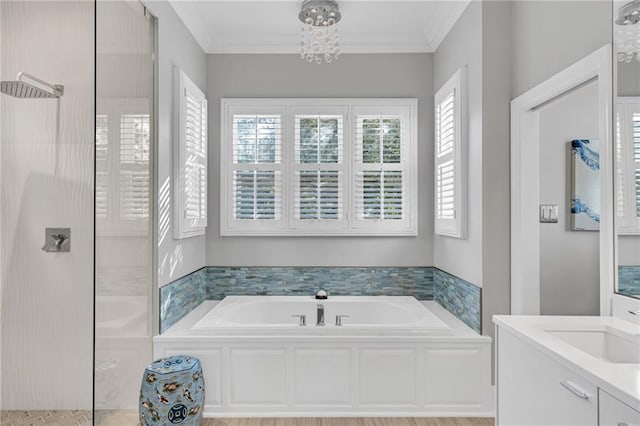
[319,33]
[627,32]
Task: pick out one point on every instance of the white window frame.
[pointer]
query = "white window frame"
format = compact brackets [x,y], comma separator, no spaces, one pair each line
[628,223]
[457,226]
[290,226]
[183,227]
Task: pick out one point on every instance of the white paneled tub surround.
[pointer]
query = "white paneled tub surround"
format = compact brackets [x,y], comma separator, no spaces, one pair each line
[394,356]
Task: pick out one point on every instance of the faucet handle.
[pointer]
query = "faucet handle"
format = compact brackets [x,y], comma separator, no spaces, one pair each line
[339,319]
[303,319]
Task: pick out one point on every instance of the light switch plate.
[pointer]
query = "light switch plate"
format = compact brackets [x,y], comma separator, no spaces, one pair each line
[548,213]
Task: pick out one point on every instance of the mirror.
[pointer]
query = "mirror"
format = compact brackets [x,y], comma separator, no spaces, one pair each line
[627,148]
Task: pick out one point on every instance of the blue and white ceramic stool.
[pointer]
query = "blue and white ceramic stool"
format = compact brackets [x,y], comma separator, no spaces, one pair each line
[172,392]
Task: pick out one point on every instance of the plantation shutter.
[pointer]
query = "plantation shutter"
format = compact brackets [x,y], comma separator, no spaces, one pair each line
[318,169]
[122,157]
[257,173]
[636,157]
[445,159]
[449,156]
[620,168]
[627,166]
[102,166]
[381,178]
[191,155]
[134,167]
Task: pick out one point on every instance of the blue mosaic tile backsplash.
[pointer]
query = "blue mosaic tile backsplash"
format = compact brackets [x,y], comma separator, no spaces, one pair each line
[300,281]
[459,297]
[629,280]
[180,297]
[214,283]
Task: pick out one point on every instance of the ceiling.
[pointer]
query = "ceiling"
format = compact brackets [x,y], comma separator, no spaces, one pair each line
[373,26]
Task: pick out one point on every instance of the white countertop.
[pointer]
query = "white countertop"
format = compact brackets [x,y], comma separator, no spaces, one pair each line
[620,380]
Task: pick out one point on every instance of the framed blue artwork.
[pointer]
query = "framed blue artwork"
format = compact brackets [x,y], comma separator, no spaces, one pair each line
[585,185]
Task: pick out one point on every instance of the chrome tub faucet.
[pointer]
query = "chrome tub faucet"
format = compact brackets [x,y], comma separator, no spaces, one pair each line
[320,317]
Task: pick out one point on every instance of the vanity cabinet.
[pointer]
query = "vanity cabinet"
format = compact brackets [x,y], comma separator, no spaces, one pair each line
[616,413]
[535,390]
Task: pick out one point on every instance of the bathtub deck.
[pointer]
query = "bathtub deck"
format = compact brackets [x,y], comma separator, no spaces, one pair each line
[182,329]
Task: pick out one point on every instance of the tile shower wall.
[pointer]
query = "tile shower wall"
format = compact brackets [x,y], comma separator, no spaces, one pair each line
[47,298]
[459,297]
[629,279]
[214,283]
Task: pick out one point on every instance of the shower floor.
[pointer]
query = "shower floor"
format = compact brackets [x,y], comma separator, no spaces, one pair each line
[69,418]
[62,417]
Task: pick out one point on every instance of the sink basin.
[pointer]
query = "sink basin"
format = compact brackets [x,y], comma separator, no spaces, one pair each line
[603,344]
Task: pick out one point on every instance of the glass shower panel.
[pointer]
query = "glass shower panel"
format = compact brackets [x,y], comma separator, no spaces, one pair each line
[46,203]
[124,242]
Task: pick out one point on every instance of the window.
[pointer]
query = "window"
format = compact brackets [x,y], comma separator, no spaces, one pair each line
[628,165]
[190,190]
[318,167]
[450,157]
[123,149]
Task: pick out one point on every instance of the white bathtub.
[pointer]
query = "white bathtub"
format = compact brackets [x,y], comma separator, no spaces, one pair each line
[388,315]
[394,356]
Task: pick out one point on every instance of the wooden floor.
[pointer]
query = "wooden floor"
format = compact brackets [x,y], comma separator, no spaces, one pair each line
[353,421]
[130,418]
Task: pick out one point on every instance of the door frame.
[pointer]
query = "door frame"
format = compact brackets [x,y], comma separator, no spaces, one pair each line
[525,178]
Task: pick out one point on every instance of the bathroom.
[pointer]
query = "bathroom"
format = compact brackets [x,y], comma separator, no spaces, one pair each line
[106,264]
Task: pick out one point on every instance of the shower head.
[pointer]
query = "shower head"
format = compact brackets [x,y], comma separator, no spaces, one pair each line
[27,86]
[629,14]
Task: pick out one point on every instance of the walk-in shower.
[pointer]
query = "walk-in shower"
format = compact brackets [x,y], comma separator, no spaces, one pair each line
[76,151]
[28,86]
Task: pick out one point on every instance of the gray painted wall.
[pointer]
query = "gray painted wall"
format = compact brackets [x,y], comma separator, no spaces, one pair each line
[546,41]
[548,36]
[176,46]
[463,47]
[481,40]
[569,260]
[383,75]
[496,168]
[628,78]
